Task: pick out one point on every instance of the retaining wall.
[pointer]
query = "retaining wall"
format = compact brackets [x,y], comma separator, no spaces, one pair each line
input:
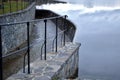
[58,66]
[69,69]
[15,35]
[66,68]
[70,27]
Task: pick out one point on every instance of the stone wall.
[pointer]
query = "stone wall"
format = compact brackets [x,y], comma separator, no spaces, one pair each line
[70,27]
[68,70]
[58,66]
[15,35]
[17,61]
[13,38]
[70,66]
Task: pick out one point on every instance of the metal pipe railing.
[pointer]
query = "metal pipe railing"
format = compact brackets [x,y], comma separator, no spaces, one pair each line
[62,34]
[28,45]
[56,34]
[28,42]
[45,21]
[25,48]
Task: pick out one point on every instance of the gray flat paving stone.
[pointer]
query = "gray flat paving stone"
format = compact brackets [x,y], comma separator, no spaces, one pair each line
[41,78]
[50,74]
[47,69]
[38,70]
[44,70]
[53,62]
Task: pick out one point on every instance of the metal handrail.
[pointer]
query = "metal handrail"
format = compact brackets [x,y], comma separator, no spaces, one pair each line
[25,48]
[20,50]
[28,41]
[61,32]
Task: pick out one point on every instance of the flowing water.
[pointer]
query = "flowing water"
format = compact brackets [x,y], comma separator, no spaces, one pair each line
[98,30]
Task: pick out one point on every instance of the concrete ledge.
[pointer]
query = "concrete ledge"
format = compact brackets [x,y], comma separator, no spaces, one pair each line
[58,66]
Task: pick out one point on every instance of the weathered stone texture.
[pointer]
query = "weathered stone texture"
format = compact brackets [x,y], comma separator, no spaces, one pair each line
[12,37]
[15,35]
[69,26]
[46,70]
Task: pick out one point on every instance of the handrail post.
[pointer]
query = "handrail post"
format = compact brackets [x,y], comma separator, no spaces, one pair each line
[28,45]
[64,29]
[56,34]
[45,21]
[1,65]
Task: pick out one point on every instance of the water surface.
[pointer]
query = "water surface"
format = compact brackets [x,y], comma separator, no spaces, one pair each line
[98,32]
